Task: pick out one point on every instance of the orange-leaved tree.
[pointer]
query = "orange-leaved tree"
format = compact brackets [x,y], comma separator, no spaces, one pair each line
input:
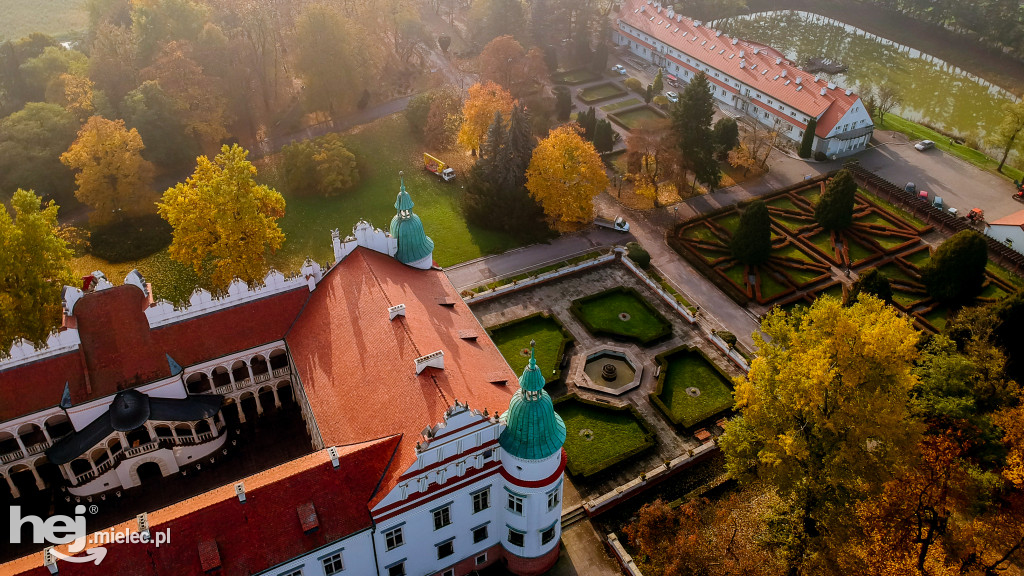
[564,176]
[112,177]
[225,224]
[478,112]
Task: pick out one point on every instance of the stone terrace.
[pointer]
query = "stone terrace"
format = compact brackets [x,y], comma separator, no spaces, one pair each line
[555,297]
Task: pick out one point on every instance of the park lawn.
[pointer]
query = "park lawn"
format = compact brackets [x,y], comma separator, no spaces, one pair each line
[823,240]
[907,216]
[905,299]
[711,254]
[513,338]
[916,131]
[689,369]
[784,203]
[602,314]
[888,242]
[737,274]
[812,195]
[875,218]
[53,17]
[617,434]
[858,251]
[919,258]
[636,117]
[577,76]
[835,291]
[382,148]
[793,252]
[894,272]
[799,276]
[937,318]
[791,224]
[702,232]
[730,221]
[600,92]
[993,291]
[624,104]
[1000,272]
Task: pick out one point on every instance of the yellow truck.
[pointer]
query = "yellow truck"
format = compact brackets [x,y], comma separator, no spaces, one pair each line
[437,167]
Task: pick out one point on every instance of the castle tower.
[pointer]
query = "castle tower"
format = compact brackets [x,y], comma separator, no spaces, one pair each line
[415,248]
[533,465]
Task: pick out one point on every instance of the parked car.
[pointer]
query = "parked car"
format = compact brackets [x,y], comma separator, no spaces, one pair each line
[924,145]
[672,97]
[620,69]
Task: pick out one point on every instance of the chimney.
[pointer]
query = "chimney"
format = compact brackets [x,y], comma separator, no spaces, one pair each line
[240,490]
[799,80]
[432,360]
[848,92]
[823,90]
[336,243]
[333,451]
[143,521]
[396,311]
[743,53]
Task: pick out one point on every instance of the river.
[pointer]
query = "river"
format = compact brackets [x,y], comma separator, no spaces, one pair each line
[933,92]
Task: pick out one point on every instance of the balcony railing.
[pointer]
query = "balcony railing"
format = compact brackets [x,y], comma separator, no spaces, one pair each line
[12,456]
[31,450]
[161,442]
[278,373]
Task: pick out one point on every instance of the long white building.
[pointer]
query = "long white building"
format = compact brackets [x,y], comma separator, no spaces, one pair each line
[756,79]
[427,459]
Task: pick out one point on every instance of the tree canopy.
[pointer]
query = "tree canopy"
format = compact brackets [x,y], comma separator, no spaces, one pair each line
[31,142]
[478,112]
[872,282]
[691,123]
[956,270]
[835,209]
[752,242]
[225,224]
[564,176]
[319,167]
[36,264]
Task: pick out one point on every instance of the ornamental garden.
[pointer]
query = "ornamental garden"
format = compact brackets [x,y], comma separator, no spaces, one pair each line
[805,256]
[633,381]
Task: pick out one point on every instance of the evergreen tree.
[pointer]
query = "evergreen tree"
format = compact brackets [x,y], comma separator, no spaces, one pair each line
[659,83]
[956,271]
[752,242]
[588,122]
[515,155]
[835,209]
[691,123]
[649,94]
[726,135]
[490,149]
[600,57]
[563,103]
[872,282]
[808,139]
[604,136]
[550,58]
[581,42]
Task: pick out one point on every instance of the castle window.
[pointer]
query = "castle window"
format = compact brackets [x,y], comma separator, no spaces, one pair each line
[442,516]
[481,500]
[394,538]
[445,549]
[547,535]
[332,564]
[515,537]
[515,503]
[479,534]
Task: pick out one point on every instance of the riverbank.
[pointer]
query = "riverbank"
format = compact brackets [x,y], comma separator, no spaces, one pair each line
[958,50]
[916,131]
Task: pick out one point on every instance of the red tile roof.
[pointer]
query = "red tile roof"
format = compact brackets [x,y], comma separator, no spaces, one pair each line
[356,366]
[702,44]
[230,330]
[249,537]
[1015,219]
[39,385]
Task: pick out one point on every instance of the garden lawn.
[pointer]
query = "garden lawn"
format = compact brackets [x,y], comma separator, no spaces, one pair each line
[616,435]
[798,276]
[907,216]
[730,222]
[624,104]
[919,258]
[632,119]
[382,149]
[578,76]
[791,251]
[688,369]
[784,203]
[857,250]
[601,314]
[601,92]
[512,339]
[770,287]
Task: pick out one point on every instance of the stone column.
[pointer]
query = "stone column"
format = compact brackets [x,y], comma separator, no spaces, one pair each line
[259,406]
[24,451]
[249,368]
[241,414]
[10,484]
[39,479]
[174,434]
[213,427]
[277,399]
[151,430]
[109,453]
[195,437]
[46,434]
[69,473]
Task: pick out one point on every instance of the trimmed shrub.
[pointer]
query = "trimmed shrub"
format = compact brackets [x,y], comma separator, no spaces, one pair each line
[638,255]
[808,139]
[835,209]
[634,85]
[956,271]
[752,243]
[130,239]
[871,282]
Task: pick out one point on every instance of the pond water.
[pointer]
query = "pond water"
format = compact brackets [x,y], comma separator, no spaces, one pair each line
[934,92]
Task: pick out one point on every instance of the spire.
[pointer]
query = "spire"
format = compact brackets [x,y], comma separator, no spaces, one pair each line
[532,428]
[404,202]
[414,246]
[175,367]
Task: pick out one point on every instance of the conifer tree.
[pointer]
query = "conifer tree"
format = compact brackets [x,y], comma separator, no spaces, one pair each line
[835,209]
[604,136]
[752,242]
[659,83]
[956,271]
[808,139]
[691,123]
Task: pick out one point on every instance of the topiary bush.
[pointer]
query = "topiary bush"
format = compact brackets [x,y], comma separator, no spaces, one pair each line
[130,239]
[752,243]
[956,271]
[808,139]
[835,209]
[640,256]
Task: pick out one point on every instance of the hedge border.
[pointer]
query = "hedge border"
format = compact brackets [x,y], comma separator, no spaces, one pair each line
[558,78]
[650,438]
[662,360]
[613,116]
[622,92]
[567,338]
[665,332]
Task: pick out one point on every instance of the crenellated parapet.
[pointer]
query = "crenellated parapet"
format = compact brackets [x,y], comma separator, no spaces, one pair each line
[366,235]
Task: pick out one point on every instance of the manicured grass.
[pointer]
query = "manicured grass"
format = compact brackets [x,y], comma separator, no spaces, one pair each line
[812,195]
[689,369]
[1000,272]
[730,222]
[791,251]
[799,276]
[770,287]
[888,242]
[919,258]
[624,104]
[784,203]
[835,291]
[905,299]
[857,250]
[702,232]
[577,76]
[993,291]
[634,118]
[53,17]
[597,437]
[894,272]
[512,339]
[875,218]
[823,240]
[711,255]
[937,318]
[791,224]
[736,274]
[916,131]
[600,314]
[601,92]
[382,148]
[889,207]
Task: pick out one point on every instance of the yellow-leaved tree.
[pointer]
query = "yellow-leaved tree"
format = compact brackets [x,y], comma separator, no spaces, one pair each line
[564,176]
[112,177]
[35,261]
[824,419]
[225,224]
[478,112]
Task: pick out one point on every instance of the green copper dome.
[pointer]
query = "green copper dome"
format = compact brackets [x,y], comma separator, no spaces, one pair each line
[413,243]
[533,430]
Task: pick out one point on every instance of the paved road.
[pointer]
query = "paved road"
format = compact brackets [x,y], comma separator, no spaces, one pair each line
[479,271]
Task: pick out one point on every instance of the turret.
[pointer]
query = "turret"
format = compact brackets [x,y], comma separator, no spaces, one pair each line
[415,248]
[533,465]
